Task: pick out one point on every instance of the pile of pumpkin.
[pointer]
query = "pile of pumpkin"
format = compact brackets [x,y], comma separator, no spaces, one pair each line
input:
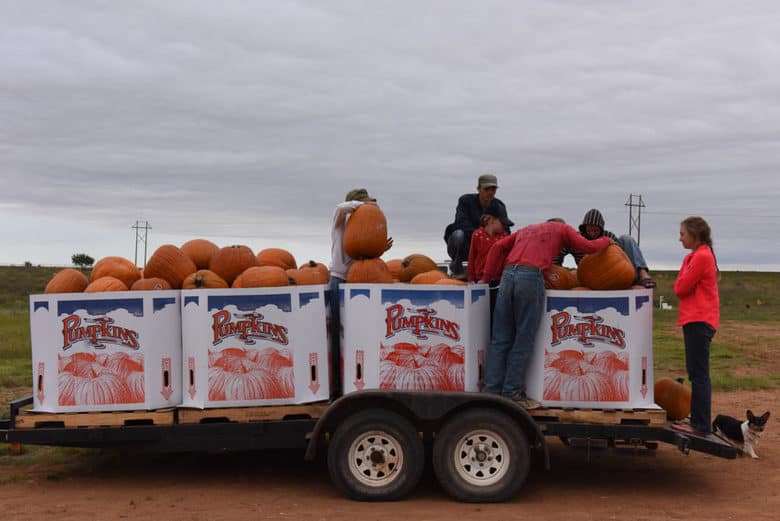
[199,263]
[609,269]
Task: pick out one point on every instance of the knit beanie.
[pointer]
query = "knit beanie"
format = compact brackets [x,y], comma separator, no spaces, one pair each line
[593,216]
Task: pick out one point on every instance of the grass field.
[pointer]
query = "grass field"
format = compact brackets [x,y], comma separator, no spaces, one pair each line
[744,352]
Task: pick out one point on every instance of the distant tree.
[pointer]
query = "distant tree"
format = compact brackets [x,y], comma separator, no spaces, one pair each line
[27,264]
[82,260]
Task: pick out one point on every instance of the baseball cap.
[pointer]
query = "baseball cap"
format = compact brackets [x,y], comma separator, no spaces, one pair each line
[359,194]
[499,213]
[487,180]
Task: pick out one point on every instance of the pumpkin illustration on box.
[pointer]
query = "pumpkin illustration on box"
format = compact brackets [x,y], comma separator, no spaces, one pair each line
[422,337]
[594,349]
[254,345]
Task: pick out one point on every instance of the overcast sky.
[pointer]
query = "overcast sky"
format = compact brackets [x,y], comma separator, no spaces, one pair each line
[247,122]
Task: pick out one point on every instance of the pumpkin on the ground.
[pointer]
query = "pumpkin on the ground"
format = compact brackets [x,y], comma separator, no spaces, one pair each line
[609,269]
[229,262]
[365,235]
[199,251]
[117,267]
[68,280]
[674,397]
[105,284]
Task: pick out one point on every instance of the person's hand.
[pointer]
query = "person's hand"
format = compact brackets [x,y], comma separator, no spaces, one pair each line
[389,243]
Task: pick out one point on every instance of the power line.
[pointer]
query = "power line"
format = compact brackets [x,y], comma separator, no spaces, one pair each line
[635,201]
[141,234]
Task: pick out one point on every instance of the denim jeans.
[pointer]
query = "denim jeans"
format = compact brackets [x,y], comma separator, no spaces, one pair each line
[519,308]
[697,336]
[629,245]
[458,250]
[335,337]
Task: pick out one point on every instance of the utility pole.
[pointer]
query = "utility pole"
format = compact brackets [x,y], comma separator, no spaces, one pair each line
[141,233]
[635,201]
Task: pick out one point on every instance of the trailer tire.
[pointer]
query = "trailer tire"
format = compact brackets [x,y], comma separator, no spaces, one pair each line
[481,456]
[376,455]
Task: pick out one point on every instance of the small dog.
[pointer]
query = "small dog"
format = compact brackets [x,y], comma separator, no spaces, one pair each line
[745,432]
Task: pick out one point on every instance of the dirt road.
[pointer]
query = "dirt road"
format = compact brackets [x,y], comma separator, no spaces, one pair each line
[667,485]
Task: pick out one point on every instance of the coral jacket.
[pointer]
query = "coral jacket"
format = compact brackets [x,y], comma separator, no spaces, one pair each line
[697,288]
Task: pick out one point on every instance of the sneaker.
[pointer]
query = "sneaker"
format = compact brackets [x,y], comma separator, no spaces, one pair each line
[525,402]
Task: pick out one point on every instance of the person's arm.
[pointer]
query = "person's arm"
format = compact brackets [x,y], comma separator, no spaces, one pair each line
[691,273]
[477,245]
[575,241]
[343,210]
[496,258]
[463,219]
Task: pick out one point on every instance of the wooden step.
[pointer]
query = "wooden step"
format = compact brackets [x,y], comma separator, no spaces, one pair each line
[252,414]
[601,416]
[38,420]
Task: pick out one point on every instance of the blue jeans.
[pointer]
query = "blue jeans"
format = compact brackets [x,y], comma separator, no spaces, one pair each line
[519,308]
[335,337]
[629,245]
[458,250]
[697,336]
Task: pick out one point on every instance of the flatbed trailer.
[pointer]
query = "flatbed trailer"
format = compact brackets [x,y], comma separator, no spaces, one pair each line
[481,445]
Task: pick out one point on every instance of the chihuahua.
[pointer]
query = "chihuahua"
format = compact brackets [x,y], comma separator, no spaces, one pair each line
[745,432]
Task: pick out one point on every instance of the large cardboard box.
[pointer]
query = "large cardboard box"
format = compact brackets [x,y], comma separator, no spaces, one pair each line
[594,349]
[106,351]
[254,346]
[414,337]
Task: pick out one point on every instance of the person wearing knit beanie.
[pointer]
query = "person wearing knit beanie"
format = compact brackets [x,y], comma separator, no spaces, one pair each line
[592,227]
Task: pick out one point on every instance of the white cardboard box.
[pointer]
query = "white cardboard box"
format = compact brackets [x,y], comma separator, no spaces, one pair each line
[594,349]
[111,351]
[254,346]
[414,337]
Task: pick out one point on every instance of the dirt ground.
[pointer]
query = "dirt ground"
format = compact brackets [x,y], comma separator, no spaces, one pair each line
[665,485]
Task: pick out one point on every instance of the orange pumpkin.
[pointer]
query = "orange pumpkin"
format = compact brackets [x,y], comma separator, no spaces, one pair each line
[395,266]
[203,279]
[558,277]
[305,277]
[229,262]
[152,284]
[580,288]
[170,263]
[428,277]
[105,284]
[262,277]
[609,269]
[447,280]
[369,271]
[276,257]
[365,235]
[415,264]
[199,251]
[313,265]
[67,281]
[117,267]
[673,397]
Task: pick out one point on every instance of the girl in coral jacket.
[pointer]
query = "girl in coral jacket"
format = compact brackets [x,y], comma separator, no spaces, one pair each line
[699,316]
[492,228]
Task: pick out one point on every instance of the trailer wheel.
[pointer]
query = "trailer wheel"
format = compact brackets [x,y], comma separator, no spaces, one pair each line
[481,456]
[376,455]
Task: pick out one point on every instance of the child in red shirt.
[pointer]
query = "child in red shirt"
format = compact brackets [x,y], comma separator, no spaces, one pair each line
[492,229]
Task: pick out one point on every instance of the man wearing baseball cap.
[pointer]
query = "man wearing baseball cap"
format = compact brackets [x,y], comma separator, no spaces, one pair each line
[468,213]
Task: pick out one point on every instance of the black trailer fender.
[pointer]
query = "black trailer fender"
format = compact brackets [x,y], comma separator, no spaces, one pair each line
[427,410]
